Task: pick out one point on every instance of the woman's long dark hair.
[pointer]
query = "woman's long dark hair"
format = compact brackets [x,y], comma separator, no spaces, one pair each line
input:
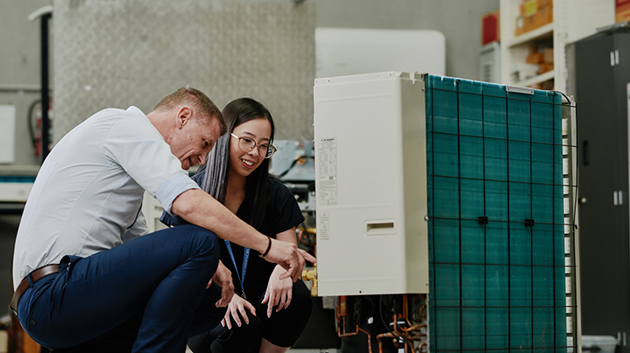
[215,171]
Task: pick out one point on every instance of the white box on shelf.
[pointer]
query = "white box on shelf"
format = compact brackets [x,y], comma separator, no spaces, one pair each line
[351,51]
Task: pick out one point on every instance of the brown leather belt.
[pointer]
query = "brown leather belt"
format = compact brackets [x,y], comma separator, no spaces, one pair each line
[35,276]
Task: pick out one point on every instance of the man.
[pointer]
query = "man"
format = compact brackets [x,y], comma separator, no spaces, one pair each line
[85,278]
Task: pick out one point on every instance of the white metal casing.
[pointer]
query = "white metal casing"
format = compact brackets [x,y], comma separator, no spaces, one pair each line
[370,153]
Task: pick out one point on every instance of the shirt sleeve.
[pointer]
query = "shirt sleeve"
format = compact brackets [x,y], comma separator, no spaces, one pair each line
[285,210]
[134,143]
[174,220]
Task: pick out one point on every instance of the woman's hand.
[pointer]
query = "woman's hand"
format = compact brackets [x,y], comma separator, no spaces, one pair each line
[236,306]
[279,291]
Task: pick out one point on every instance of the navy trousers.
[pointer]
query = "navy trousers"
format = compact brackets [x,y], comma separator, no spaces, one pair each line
[146,295]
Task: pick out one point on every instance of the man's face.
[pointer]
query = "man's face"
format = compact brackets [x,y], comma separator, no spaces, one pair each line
[193,139]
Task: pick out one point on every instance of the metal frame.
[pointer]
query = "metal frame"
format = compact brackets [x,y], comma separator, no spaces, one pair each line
[572,244]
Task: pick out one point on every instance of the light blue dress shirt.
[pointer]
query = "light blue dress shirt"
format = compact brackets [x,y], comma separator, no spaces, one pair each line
[88,193]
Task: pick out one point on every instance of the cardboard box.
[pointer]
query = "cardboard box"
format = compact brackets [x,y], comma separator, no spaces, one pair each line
[535,56]
[533,14]
[544,67]
[548,55]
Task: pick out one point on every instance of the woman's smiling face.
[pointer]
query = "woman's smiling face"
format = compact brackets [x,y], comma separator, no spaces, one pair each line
[243,163]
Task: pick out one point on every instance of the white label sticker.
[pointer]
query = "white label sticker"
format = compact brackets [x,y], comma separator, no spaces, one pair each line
[327,163]
[323,230]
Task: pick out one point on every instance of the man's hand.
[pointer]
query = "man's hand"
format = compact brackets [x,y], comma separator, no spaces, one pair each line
[223,277]
[289,257]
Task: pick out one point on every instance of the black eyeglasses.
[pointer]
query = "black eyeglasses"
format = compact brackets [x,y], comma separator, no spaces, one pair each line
[247,144]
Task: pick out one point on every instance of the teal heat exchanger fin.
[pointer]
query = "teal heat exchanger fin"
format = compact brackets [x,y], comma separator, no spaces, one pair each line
[496,218]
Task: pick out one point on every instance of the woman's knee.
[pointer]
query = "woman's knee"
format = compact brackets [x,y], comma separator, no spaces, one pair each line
[302,297]
[284,327]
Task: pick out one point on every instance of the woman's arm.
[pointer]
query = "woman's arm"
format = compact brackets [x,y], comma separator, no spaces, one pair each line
[279,291]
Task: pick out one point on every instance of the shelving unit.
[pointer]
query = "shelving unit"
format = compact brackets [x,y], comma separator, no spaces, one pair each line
[537,34]
[549,75]
[572,20]
[514,49]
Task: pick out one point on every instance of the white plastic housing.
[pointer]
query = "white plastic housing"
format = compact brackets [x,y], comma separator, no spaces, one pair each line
[371,190]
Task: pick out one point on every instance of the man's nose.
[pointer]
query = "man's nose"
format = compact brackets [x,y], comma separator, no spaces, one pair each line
[202,159]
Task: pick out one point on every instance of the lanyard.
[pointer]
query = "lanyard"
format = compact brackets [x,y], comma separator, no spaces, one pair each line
[241,278]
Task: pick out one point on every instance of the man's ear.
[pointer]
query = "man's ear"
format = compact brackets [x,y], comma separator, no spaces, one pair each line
[183,116]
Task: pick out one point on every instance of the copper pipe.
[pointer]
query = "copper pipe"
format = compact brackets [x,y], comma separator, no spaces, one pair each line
[396,325]
[413,328]
[343,308]
[378,338]
[406,335]
[408,323]
[344,333]
[404,308]
[416,299]
[369,338]
[340,321]
[419,311]
[347,334]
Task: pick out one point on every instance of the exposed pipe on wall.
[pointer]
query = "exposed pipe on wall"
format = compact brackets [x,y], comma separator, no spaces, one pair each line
[45,13]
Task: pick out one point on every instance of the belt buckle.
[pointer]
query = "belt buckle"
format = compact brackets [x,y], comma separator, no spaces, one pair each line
[13,311]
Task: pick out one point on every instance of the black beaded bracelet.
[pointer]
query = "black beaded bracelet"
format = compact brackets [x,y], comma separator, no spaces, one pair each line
[268,248]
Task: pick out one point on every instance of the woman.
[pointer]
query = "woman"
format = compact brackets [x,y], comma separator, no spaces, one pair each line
[266,314]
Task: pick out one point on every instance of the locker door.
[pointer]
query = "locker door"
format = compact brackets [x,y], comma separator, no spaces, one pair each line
[599,186]
[621,74]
